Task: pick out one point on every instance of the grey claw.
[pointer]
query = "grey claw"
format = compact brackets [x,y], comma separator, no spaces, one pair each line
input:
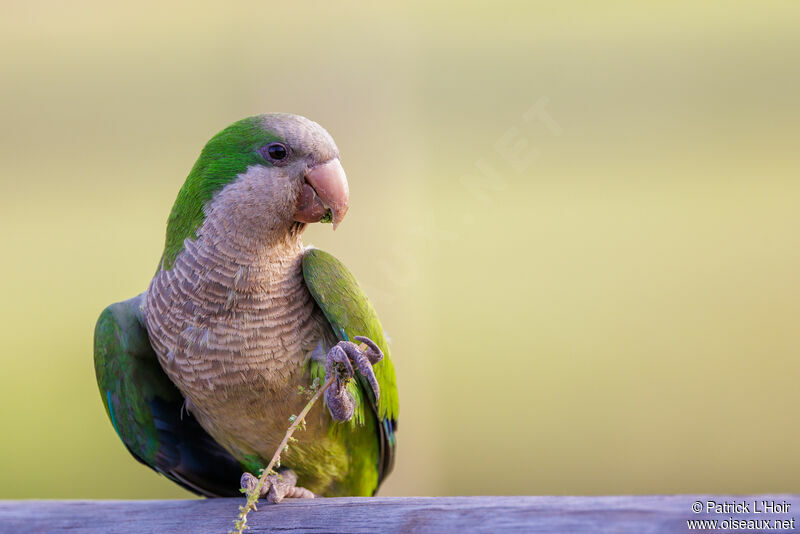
[365,368]
[348,354]
[248,482]
[364,362]
[284,485]
[373,353]
[338,355]
[341,404]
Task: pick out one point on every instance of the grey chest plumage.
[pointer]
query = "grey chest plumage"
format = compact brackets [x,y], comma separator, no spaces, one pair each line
[232,330]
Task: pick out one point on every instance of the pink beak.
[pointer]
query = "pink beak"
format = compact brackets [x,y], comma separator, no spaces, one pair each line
[325,189]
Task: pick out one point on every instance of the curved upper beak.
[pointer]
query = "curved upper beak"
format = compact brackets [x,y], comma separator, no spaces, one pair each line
[325,188]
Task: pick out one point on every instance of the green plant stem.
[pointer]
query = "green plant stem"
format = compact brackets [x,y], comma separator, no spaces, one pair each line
[252,497]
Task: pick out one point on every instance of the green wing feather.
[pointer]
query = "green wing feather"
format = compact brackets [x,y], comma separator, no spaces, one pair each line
[145,408]
[351,314]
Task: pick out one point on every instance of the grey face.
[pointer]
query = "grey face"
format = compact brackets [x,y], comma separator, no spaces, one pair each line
[304,181]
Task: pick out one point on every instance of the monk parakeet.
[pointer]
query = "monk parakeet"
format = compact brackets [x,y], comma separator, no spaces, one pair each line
[201,373]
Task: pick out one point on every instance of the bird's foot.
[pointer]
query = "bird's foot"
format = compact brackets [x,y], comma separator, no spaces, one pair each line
[277,487]
[339,361]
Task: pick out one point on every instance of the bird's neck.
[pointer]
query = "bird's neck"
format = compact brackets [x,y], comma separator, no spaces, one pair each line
[250,262]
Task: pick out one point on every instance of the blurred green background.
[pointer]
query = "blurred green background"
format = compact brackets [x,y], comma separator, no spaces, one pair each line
[579,224]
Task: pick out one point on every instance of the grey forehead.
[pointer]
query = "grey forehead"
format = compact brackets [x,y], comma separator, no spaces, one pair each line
[302,134]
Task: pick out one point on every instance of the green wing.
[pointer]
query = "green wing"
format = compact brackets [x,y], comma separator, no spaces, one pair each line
[350,314]
[145,408]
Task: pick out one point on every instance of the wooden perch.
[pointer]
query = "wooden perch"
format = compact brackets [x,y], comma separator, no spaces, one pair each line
[595,515]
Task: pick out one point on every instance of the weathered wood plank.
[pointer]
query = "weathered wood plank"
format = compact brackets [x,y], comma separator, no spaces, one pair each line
[595,515]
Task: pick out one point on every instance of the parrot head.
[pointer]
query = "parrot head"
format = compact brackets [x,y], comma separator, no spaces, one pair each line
[263,176]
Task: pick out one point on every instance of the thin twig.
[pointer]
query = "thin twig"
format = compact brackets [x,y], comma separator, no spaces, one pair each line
[255,493]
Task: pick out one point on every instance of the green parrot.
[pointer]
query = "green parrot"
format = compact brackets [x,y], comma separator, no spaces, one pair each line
[200,374]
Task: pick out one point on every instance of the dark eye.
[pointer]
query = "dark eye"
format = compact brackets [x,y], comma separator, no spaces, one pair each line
[276,151]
